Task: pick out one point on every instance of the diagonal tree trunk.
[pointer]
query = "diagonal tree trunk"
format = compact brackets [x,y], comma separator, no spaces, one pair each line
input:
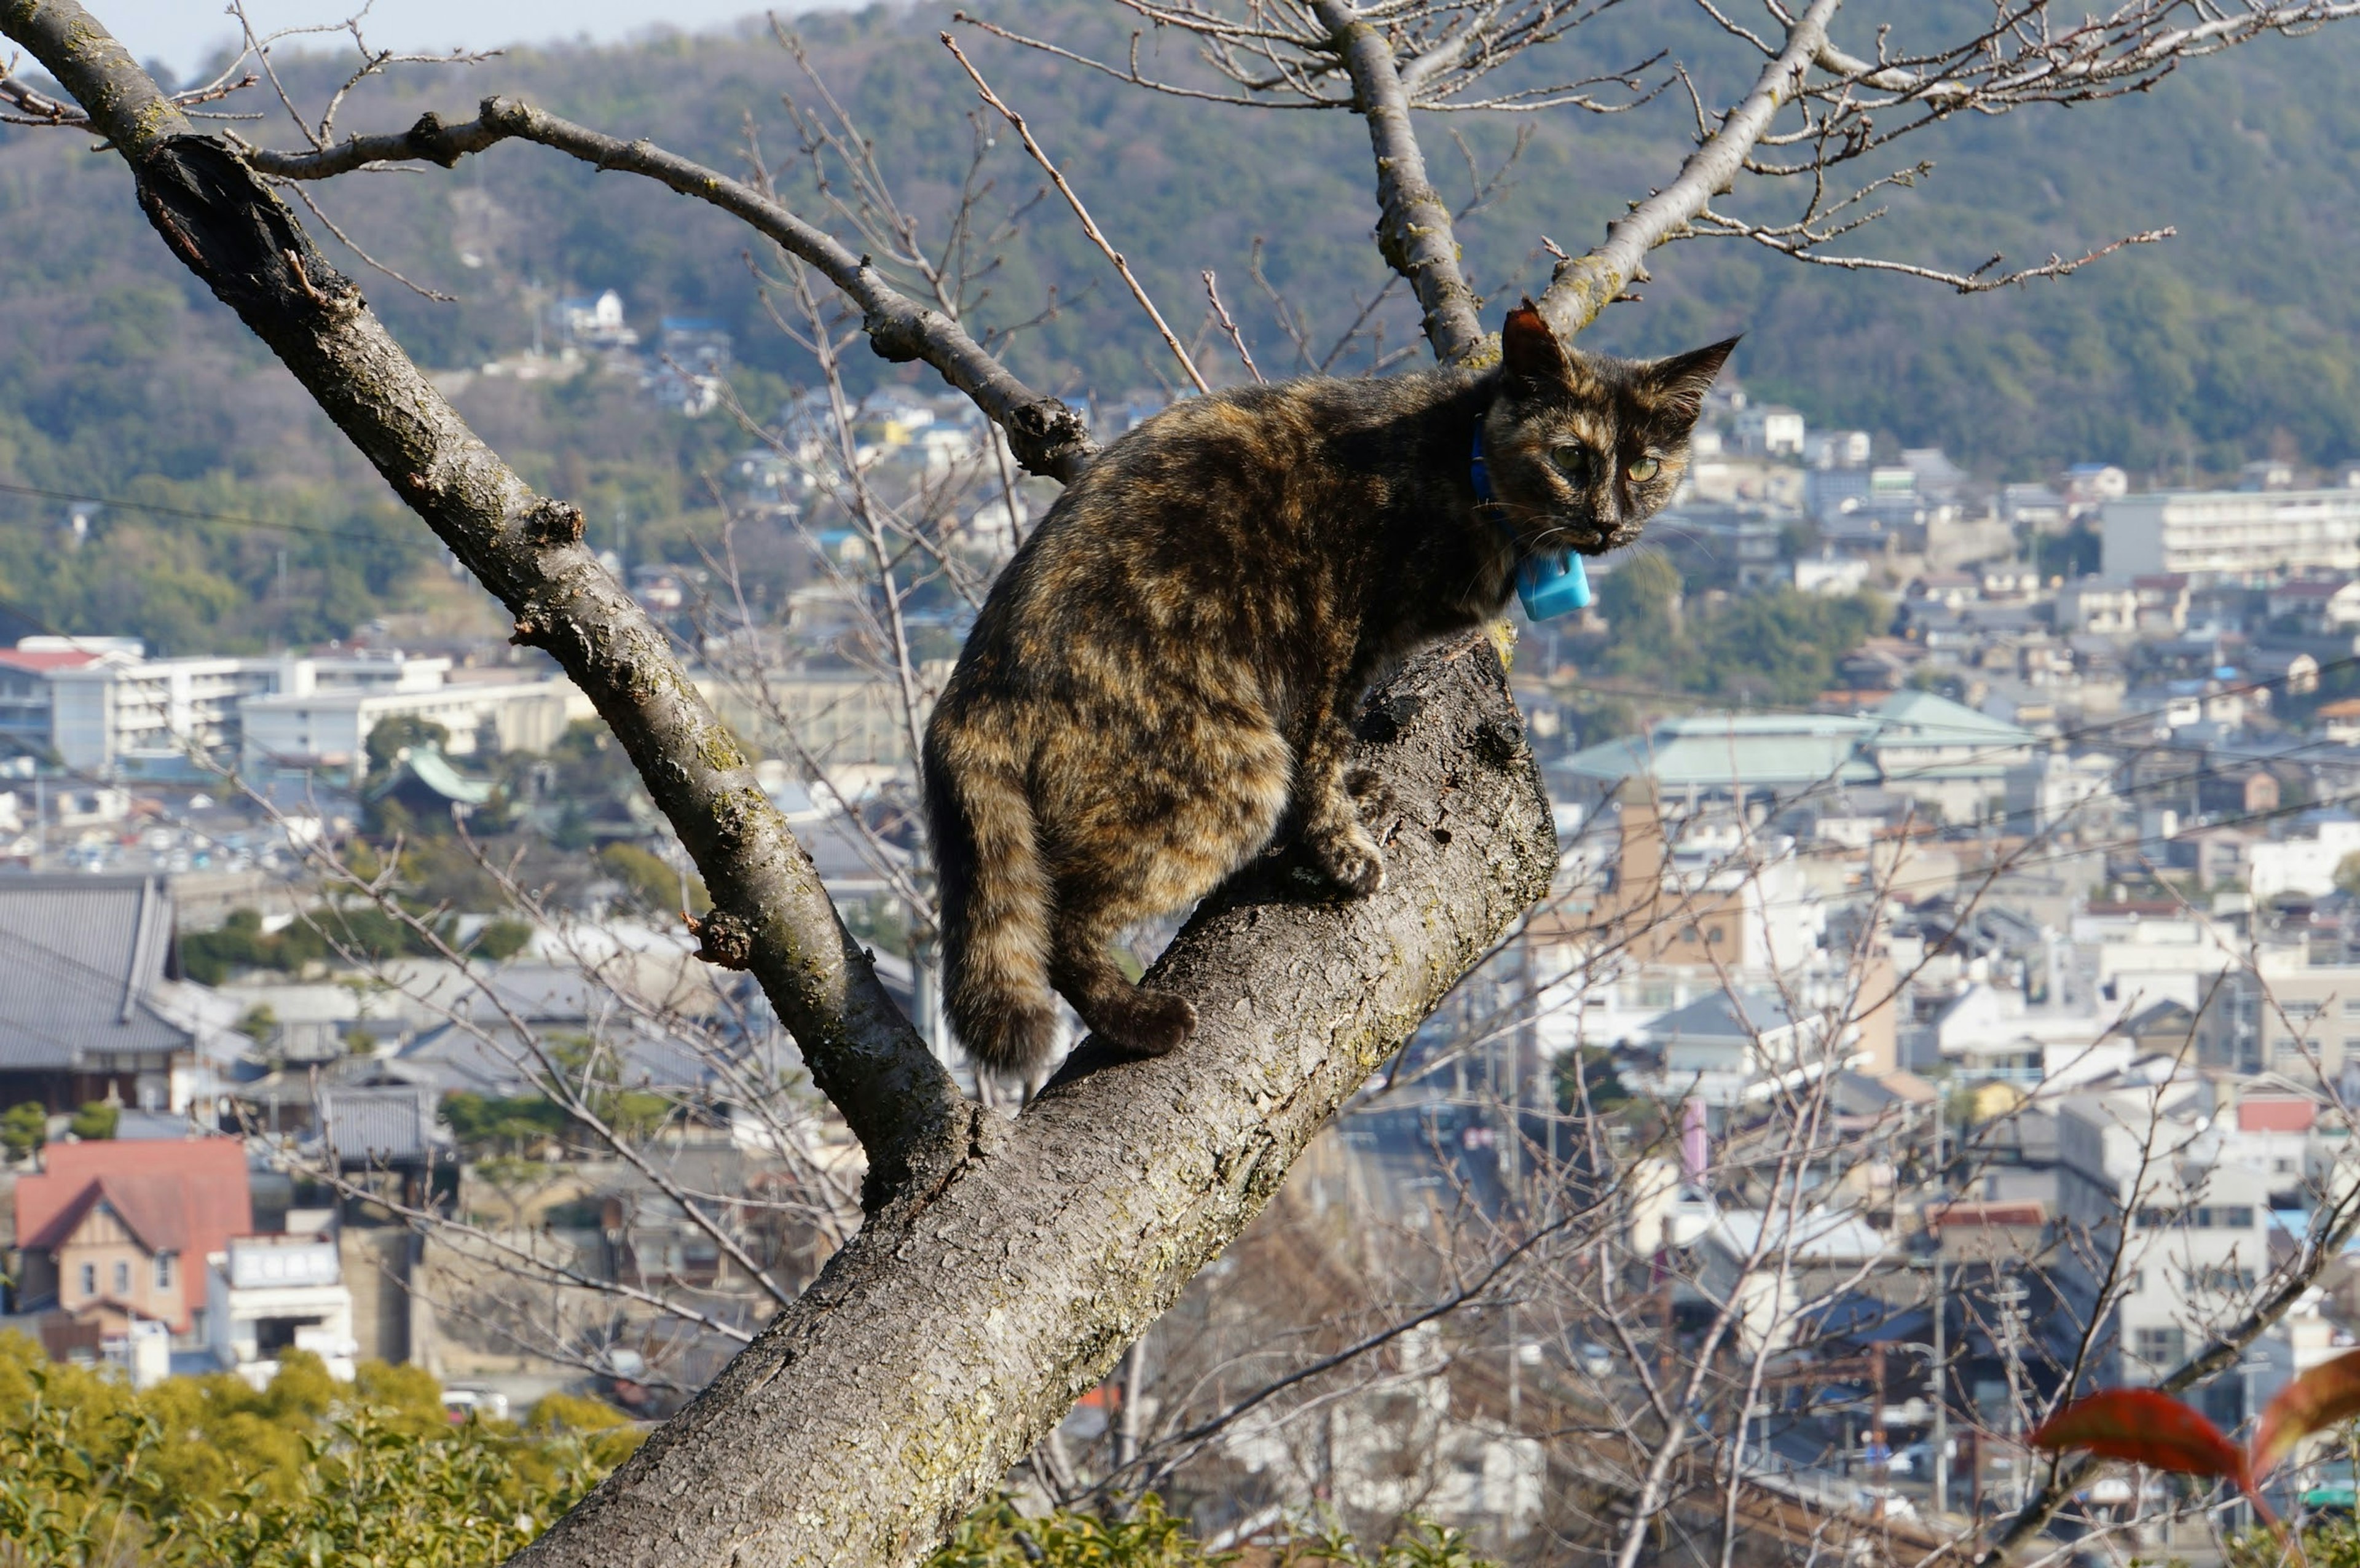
[1003,1267]
[955,1330]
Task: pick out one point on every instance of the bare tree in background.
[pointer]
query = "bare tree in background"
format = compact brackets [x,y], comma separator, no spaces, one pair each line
[1001,1267]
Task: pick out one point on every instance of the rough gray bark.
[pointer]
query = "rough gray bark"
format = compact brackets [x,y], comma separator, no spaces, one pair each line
[1415,232]
[769,913]
[949,1337]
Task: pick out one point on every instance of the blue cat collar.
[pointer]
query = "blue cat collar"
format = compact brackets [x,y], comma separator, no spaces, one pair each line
[1548,587]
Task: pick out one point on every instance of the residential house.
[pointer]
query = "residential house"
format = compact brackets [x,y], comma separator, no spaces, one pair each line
[2318,606]
[2164,603]
[1768,429]
[86,1009]
[2338,722]
[1824,1252]
[1990,1032]
[112,1232]
[2107,606]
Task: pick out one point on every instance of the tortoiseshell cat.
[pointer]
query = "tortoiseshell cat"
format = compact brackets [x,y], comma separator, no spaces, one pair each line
[1168,669]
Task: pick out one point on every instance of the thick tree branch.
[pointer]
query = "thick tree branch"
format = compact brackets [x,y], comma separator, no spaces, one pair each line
[771,915]
[1415,232]
[1583,286]
[1047,436]
[947,1338]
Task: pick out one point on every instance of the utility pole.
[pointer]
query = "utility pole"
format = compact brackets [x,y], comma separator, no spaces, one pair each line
[1942,1433]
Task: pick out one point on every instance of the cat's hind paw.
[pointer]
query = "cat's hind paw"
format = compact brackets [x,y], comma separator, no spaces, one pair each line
[1150,1023]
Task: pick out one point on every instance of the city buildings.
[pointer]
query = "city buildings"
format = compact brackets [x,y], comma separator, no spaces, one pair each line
[2239,534]
[100,706]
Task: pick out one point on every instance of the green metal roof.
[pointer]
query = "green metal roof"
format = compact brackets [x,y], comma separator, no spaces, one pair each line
[1777,751]
[1761,752]
[1938,721]
[431,768]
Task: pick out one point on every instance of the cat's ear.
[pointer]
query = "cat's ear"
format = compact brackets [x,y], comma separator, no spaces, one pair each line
[1528,349]
[1681,382]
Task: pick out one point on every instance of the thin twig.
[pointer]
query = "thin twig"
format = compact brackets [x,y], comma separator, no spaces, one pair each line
[1090,225]
[1237,340]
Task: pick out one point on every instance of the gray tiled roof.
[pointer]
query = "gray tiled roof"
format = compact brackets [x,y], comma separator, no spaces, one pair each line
[79,958]
[365,1126]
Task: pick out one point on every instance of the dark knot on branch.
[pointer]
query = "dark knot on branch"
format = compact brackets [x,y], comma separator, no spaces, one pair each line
[432,140]
[233,232]
[549,522]
[722,939]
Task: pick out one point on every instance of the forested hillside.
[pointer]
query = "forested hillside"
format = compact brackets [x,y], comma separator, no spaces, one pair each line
[2233,340]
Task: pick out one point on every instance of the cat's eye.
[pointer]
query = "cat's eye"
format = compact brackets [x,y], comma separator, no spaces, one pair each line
[1646,468]
[1572,460]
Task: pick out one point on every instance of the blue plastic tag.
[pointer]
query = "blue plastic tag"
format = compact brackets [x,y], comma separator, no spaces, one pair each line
[1548,588]
[1553,588]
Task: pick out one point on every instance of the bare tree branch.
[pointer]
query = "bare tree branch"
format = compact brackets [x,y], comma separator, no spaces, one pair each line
[770,914]
[1415,232]
[1047,436]
[1081,213]
[1580,288]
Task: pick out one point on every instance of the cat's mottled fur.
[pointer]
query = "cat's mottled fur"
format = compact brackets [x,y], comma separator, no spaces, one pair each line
[1166,673]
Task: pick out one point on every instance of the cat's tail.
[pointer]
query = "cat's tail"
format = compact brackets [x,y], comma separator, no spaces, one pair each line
[994,894]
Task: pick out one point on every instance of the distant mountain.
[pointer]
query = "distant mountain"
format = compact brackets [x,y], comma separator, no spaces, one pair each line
[2233,340]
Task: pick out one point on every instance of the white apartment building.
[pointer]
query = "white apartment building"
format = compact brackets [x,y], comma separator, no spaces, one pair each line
[272,1293]
[2305,865]
[120,712]
[2197,1241]
[2232,533]
[103,707]
[323,716]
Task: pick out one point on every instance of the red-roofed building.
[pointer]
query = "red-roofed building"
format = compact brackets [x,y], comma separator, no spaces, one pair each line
[113,1230]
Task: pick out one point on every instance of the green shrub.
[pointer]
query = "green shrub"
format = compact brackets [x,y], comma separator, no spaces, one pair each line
[96,1121]
[24,1128]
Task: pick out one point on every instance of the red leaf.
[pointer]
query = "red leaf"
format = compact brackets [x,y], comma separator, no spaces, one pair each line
[2146,1428]
[2156,1430]
[2328,1393]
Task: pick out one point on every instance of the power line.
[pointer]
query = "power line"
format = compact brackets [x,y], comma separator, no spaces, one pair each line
[190,515]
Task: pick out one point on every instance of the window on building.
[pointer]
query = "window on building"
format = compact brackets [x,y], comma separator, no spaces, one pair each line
[2238,1216]
[2352,1007]
[2220,1276]
[89,1279]
[122,1277]
[164,1270]
[2302,1010]
[2160,1346]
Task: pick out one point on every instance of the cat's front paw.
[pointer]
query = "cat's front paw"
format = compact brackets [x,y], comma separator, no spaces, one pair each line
[1350,859]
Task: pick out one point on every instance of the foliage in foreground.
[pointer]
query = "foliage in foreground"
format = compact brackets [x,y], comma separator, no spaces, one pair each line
[208,1473]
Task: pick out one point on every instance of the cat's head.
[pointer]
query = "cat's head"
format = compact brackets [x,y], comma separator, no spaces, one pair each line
[1583,449]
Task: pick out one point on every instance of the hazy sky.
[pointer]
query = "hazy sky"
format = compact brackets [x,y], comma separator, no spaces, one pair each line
[183,33]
